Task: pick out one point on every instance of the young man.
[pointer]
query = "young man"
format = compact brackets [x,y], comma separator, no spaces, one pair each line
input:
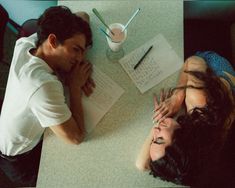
[34,96]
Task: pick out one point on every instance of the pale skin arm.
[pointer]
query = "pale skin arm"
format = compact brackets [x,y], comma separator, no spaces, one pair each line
[143,159]
[172,105]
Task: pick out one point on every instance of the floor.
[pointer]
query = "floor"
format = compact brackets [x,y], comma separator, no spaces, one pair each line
[9,41]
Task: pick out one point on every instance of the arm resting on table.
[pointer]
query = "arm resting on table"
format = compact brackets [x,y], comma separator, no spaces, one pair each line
[73,130]
[69,132]
[143,159]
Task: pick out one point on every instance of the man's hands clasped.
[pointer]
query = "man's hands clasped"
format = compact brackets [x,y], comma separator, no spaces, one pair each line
[80,78]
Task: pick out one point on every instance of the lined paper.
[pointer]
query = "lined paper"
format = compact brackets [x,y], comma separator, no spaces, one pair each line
[105,94]
[160,62]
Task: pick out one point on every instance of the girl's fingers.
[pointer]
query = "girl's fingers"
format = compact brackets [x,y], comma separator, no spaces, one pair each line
[168,114]
[161,114]
[162,97]
[156,113]
[157,108]
[156,105]
[161,119]
[169,93]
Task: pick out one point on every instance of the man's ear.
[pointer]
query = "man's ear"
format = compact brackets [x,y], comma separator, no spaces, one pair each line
[52,40]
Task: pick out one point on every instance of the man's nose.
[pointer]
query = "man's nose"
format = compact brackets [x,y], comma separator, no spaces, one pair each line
[77,61]
[83,55]
[80,57]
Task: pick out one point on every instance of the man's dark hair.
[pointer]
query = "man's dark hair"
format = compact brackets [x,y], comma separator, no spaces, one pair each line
[60,21]
[198,143]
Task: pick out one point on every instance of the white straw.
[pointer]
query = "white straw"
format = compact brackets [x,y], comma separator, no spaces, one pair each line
[136,12]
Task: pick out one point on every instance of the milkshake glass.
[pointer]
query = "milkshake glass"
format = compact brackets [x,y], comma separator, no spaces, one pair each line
[115,50]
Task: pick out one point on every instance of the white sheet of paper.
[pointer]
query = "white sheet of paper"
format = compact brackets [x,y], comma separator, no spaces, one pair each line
[105,94]
[159,63]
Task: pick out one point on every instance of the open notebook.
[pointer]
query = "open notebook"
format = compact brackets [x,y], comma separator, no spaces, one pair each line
[161,62]
[105,94]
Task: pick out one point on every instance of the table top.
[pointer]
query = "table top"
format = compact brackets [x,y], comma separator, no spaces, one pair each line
[107,157]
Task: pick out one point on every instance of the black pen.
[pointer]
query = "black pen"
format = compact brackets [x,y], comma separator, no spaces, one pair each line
[137,64]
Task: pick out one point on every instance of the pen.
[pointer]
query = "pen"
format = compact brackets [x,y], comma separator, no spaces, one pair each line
[141,59]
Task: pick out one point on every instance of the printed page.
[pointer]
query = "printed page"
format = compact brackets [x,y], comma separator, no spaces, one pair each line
[105,94]
[159,63]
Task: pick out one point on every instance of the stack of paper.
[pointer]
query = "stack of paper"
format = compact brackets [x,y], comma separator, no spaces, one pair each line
[160,62]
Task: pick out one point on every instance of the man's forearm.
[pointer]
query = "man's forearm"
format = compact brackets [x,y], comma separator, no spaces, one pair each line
[77,109]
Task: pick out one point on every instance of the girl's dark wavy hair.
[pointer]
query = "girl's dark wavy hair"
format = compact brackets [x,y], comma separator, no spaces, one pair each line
[60,21]
[197,144]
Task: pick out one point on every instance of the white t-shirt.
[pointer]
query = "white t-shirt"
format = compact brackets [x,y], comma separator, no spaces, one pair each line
[34,99]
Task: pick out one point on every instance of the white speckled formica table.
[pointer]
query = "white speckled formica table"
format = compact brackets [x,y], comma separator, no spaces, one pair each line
[107,158]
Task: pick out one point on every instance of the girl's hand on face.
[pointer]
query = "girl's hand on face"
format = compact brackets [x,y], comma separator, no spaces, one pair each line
[156,105]
[165,108]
